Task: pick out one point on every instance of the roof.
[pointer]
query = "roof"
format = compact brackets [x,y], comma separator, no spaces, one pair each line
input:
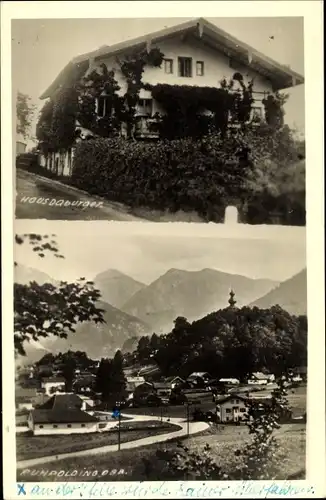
[161,385]
[53,380]
[245,399]
[218,39]
[198,374]
[175,377]
[62,416]
[228,380]
[261,376]
[64,402]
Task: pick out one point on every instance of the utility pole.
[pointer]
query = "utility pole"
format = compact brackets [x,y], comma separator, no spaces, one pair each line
[187,418]
[119,426]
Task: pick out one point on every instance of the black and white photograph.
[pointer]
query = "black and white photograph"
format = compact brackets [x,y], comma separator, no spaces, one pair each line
[162,248]
[160,119]
[143,357]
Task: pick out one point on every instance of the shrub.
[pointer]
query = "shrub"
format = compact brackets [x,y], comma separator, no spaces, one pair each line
[203,175]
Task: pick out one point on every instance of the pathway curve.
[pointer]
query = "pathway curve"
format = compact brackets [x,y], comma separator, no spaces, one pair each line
[194,428]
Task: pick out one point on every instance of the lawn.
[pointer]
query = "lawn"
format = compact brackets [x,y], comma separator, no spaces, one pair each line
[39,446]
[128,464]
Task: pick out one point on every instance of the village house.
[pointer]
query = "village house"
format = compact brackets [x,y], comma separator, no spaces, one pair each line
[133,382]
[20,144]
[231,408]
[260,378]
[196,53]
[64,421]
[198,378]
[163,389]
[53,385]
[229,381]
[174,381]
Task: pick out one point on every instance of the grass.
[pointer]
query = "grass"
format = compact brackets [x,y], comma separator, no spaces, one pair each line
[223,442]
[28,447]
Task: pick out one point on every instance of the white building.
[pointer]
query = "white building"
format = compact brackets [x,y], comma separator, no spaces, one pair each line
[65,421]
[260,378]
[53,385]
[232,409]
[196,53]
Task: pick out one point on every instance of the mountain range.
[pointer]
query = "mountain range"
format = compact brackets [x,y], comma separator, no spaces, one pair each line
[192,294]
[133,309]
[116,288]
[290,294]
[98,340]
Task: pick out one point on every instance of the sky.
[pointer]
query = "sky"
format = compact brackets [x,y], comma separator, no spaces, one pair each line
[149,252]
[42,47]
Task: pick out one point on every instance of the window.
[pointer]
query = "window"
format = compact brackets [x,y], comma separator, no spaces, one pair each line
[82,425]
[256,113]
[200,68]
[185,66]
[68,425]
[40,426]
[228,410]
[237,401]
[227,419]
[104,107]
[242,410]
[168,66]
[235,408]
[55,426]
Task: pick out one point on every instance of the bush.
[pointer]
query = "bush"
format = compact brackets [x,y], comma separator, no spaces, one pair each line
[203,176]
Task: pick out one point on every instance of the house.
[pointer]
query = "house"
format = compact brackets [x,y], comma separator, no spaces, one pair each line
[163,389]
[232,408]
[196,53]
[53,385]
[260,378]
[229,381]
[20,144]
[61,421]
[27,398]
[133,382]
[175,381]
[199,379]
[67,401]
[142,391]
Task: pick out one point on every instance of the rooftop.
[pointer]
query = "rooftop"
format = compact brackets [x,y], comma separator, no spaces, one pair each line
[64,402]
[42,416]
[214,37]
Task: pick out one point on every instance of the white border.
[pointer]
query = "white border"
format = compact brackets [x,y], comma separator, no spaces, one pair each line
[312,12]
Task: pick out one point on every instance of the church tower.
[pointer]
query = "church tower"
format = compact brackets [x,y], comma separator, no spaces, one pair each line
[232,301]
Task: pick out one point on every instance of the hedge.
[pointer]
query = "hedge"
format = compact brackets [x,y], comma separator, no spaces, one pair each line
[203,176]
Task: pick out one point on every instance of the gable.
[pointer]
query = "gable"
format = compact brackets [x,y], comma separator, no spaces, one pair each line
[198,32]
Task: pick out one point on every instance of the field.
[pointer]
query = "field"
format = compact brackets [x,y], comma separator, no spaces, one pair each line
[39,446]
[223,441]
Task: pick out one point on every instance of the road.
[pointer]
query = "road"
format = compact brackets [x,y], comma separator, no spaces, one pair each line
[31,187]
[194,428]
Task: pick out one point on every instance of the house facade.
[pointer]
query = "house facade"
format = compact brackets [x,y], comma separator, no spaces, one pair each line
[259,378]
[53,385]
[232,409]
[64,421]
[196,53]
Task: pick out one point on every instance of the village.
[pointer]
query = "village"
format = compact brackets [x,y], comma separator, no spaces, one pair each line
[44,407]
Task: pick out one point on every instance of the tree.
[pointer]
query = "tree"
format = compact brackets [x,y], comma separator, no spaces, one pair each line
[69,365]
[25,113]
[118,380]
[48,309]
